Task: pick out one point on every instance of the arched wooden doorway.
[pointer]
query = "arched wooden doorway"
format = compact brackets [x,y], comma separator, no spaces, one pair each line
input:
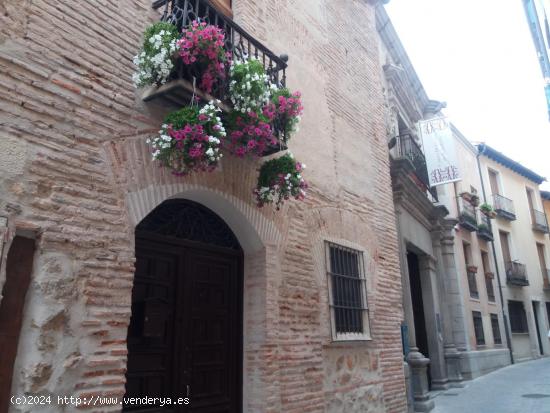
[185,333]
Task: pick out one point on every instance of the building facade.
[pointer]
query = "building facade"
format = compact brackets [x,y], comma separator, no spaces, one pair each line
[120,278]
[485,347]
[520,234]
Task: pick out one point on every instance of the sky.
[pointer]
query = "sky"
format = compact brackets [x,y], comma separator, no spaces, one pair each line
[479,57]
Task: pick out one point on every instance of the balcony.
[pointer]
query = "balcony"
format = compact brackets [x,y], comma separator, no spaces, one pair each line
[540,223]
[467,216]
[516,274]
[484,230]
[504,207]
[179,90]
[407,147]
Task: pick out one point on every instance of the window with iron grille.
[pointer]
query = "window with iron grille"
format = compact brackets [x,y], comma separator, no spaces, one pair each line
[478,328]
[347,293]
[518,318]
[496,329]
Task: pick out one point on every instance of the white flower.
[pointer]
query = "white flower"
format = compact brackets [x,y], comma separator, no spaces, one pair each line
[210,152]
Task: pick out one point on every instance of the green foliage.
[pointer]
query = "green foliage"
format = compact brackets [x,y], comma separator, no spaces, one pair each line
[272,169]
[486,207]
[185,116]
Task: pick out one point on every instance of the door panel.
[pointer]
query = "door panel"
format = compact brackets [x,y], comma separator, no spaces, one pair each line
[214,346]
[151,369]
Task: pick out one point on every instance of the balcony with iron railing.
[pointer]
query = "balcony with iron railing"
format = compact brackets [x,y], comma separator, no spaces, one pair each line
[407,147]
[467,217]
[540,223]
[516,274]
[484,229]
[504,207]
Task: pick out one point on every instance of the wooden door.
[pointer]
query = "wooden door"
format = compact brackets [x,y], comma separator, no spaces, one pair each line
[213,347]
[184,338]
[505,245]
[152,357]
[18,275]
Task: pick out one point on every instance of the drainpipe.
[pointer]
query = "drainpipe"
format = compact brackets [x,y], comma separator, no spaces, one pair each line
[504,317]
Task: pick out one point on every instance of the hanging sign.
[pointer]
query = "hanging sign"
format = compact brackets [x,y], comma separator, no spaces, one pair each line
[439,149]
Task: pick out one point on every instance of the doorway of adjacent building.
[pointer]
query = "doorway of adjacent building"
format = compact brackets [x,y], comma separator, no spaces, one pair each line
[421,332]
[18,275]
[185,333]
[536,314]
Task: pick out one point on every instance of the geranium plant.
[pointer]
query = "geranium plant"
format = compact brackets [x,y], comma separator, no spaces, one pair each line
[155,61]
[286,108]
[190,139]
[280,179]
[250,133]
[249,87]
[202,46]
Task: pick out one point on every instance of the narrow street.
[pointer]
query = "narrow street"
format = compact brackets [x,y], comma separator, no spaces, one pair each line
[521,388]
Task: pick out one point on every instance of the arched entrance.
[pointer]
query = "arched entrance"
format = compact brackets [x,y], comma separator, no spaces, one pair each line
[185,333]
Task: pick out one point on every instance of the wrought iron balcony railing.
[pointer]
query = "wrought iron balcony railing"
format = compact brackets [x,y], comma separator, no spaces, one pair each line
[484,229]
[407,147]
[238,43]
[540,222]
[504,207]
[467,215]
[516,274]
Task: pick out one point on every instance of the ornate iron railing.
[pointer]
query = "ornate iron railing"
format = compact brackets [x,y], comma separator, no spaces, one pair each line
[238,42]
[540,222]
[504,207]
[407,147]
[516,273]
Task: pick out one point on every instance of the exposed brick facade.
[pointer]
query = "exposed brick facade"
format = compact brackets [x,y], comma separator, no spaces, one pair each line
[78,175]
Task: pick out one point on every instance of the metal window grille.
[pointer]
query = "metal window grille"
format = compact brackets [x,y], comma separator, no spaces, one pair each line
[490,289]
[347,288]
[478,328]
[496,329]
[518,318]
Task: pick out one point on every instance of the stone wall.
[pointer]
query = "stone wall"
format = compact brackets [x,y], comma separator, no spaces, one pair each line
[77,172]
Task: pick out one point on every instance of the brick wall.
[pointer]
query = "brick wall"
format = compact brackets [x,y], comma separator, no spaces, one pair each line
[79,174]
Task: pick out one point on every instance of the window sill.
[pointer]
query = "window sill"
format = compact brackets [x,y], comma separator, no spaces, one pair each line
[347,338]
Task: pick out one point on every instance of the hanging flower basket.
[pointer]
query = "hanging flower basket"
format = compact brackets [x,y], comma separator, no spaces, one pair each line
[250,133]
[202,50]
[285,108]
[156,59]
[490,275]
[488,210]
[249,86]
[279,180]
[189,140]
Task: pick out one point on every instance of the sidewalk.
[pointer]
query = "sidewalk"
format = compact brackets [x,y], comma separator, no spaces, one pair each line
[521,388]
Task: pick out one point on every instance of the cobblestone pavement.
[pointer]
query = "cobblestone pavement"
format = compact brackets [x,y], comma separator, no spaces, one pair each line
[521,388]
